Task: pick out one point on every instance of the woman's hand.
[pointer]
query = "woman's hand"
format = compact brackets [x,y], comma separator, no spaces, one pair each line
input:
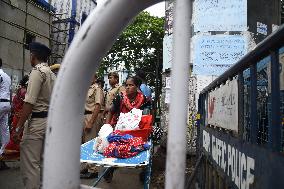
[17,135]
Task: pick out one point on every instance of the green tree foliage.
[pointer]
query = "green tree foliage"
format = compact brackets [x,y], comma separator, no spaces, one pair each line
[140,46]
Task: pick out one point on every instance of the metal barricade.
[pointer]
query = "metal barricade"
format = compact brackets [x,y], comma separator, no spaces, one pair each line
[96,36]
[251,156]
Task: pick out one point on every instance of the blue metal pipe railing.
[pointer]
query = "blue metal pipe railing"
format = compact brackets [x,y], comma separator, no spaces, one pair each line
[274,131]
[72,22]
[253,104]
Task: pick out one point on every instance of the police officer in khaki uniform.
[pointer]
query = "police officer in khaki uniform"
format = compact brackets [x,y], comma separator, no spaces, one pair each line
[35,110]
[113,79]
[94,102]
[115,89]
[92,122]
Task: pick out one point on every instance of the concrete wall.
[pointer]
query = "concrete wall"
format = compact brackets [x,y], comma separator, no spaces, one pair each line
[192,110]
[12,23]
[164,106]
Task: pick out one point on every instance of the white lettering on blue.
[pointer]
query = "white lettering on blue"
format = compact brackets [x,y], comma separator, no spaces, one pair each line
[233,162]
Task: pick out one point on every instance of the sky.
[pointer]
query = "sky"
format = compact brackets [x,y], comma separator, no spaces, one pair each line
[155,10]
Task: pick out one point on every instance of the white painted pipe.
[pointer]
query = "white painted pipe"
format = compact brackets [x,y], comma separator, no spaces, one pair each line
[176,146]
[63,135]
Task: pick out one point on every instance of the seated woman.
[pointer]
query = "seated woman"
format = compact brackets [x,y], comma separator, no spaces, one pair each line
[131,98]
[124,102]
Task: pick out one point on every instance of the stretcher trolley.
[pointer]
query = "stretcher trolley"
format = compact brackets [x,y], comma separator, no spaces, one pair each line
[142,160]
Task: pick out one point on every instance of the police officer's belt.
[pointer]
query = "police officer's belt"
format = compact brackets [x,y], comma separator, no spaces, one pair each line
[39,114]
[88,112]
[4,100]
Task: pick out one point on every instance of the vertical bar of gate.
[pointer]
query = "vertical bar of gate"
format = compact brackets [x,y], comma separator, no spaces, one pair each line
[210,176]
[220,182]
[203,102]
[198,141]
[207,174]
[206,108]
[201,173]
[253,104]
[241,104]
[274,131]
[175,168]
[200,109]
[200,106]
[203,109]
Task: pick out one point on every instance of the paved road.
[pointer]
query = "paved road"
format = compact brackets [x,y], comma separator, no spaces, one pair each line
[123,178]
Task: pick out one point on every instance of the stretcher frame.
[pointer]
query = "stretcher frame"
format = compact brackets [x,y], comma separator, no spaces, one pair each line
[142,160]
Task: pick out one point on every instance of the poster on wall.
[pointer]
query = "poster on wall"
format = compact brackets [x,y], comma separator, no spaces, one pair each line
[274,27]
[169,19]
[223,106]
[168,82]
[225,15]
[167,51]
[214,54]
[168,96]
[261,28]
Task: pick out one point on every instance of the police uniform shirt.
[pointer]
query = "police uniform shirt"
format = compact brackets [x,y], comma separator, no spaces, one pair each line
[5,83]
[95,96]
[111,94]
[40,86]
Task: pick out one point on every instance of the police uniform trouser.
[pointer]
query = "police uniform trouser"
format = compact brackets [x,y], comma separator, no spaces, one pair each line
[31,152]
[95,129]
[89,136]
[4,127]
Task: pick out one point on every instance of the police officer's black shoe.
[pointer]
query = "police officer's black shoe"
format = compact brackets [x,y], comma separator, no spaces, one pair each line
[142,176]
[3,166]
